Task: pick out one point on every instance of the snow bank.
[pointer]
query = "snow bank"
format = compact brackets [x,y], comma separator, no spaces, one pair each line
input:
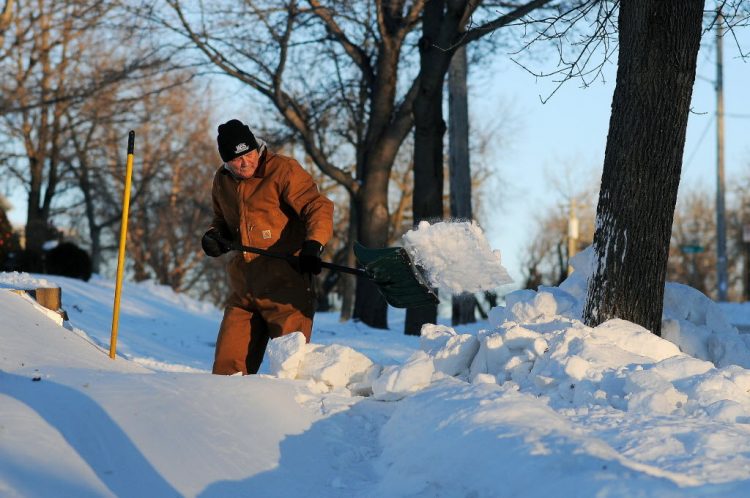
[539,345]
[23,281]
[738,314]
[700,328]
[456,257]
[285,355]
[692,321]
[460,440]
[396,381]
[565,409]
[335,366]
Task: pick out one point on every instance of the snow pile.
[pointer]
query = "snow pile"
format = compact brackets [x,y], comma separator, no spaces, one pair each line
[285,355]
[700,328]
[460,440]
[692,321]
[444,354]
[456,257]
[539,345]
[397,381]
[565,409]
[617,365]
[23,281]
[335,366]
[738,314]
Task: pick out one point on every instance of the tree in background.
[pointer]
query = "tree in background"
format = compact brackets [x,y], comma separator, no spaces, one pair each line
[174,163]
[6,16]
[332,74]
[342,76]
[171,202]
[54,59]
[658,48]
[72,89]
[8,237]
[692,251]
[692,254]
[546,259]
[443,32]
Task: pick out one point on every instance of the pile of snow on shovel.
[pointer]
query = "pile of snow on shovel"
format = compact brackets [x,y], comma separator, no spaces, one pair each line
[537,344]
[456,257]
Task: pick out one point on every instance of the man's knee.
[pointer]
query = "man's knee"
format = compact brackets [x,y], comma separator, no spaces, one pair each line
[295,322]
[229,366]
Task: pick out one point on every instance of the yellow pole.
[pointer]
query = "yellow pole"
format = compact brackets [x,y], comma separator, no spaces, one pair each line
[123,237]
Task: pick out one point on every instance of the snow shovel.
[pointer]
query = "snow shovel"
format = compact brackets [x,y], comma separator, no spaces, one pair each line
[399,280]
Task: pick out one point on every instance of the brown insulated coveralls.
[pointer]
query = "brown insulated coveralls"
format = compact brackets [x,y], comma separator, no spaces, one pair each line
[277,209]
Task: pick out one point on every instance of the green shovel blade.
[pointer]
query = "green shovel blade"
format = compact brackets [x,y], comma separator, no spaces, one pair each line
[399,280]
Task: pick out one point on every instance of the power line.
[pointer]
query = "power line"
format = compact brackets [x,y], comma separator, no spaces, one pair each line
[700,141]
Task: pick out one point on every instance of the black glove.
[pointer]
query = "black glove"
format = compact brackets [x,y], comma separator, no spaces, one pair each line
[309,257]
[213,244]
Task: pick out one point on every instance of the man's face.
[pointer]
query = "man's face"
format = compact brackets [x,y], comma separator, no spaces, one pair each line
[244,166]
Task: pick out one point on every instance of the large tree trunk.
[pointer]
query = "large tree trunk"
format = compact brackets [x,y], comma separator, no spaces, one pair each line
[348,283]
[374,162]
[37,224]
[372,215]
[428,182]
[439,27]
[459,165]
[656,70]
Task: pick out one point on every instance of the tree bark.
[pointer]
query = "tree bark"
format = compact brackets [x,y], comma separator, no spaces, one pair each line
[429,129]
[384,135]
[658,49]
[373,221]
[459,165]
[348,282]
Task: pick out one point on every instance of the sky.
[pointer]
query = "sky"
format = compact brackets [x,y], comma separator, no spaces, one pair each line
[566,136]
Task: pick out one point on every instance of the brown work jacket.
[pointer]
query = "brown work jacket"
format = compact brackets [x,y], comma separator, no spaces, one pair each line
[277,209]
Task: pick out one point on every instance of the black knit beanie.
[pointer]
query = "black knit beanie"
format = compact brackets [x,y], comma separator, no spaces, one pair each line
[235,139]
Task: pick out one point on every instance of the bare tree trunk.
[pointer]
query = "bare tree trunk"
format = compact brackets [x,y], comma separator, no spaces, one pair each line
[372,213]
[348,282]
[643,159]
[459,165]
[429,129]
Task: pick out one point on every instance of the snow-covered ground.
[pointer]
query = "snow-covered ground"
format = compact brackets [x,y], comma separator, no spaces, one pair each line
[533,403]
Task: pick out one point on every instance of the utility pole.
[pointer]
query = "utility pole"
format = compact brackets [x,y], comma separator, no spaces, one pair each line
[572,234]
[721,233]
[459,165]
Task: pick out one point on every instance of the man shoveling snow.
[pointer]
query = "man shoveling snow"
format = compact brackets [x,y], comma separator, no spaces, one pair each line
[264,200]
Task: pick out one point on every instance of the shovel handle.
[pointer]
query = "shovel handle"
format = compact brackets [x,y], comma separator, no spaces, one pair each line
[292,259]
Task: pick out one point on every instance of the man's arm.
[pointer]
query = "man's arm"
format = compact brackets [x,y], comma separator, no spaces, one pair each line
[214,240]
[218,222]
[301,194]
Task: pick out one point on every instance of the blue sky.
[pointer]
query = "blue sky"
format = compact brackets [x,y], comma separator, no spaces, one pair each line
[570,131]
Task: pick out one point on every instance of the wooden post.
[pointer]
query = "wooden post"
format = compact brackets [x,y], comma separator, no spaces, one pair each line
[49,297]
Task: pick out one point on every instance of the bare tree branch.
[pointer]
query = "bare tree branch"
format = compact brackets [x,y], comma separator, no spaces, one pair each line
[355,52]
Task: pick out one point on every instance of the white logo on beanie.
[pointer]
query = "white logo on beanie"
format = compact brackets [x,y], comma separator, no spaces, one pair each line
[241,148]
